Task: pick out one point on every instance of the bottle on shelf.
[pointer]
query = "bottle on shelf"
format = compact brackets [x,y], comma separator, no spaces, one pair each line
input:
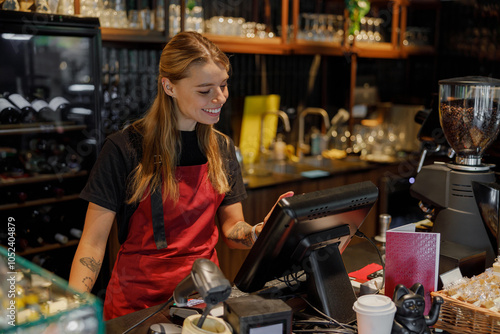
[52,231]
[45,261]
[9,114]
[11,165]
[28,114]
[31,231]
[44,111]
[60,106]
[50,190]
[14,196]
[66,222]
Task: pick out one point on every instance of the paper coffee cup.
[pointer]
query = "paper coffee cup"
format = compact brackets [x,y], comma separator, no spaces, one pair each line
[210,325]
[374,314]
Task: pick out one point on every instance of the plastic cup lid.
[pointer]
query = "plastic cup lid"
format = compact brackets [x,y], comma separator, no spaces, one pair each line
[374,304]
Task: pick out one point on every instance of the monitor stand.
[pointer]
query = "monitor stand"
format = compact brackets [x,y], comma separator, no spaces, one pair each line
[328,284]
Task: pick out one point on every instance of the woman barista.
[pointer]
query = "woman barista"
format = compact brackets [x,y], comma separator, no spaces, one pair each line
[164,178]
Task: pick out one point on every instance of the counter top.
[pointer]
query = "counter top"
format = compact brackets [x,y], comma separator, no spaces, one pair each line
[332,167]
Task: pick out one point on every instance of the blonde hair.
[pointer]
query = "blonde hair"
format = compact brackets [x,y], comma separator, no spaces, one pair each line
[161,139]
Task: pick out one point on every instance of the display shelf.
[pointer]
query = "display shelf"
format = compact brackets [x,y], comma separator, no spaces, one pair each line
[375,50]
[30,128]
[304,47]
[423,50]
[39,178]
[42,201]
[237,44]
[280,46]
[133,35]
[418,50]
[47,248]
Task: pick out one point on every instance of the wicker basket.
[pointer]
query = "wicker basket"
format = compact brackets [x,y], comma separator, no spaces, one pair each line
[461,317]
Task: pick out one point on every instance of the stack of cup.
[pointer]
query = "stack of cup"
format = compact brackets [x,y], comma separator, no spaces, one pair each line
[374,314]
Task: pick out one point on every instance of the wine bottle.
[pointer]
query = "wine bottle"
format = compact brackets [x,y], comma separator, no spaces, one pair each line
[66,222]
[45,261]
[14,196]
[53,191]
[52,232]
[44,111]
[60,106]
[32,229]
[28,114]
[9,114]
[11,164]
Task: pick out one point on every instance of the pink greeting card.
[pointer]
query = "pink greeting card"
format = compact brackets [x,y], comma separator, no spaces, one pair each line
[412,257]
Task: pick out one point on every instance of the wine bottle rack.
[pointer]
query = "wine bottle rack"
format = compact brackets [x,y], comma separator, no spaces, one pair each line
[46,153]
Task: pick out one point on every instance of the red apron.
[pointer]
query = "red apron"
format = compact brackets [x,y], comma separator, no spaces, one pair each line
[145,275]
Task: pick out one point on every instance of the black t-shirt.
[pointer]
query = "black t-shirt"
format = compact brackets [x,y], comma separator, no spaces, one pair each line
[121,153]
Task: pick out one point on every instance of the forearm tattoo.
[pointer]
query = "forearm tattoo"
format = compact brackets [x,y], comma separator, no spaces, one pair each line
[241,233]
[95,267]
[88,282]
[92,264]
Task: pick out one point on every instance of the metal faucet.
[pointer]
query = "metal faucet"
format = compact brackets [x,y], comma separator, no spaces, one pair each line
[284,118]
[302,116]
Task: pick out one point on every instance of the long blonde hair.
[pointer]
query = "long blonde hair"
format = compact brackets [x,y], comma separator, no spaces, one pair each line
[161,139]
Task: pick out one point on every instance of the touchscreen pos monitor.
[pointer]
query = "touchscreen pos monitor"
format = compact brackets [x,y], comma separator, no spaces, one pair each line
[308,233]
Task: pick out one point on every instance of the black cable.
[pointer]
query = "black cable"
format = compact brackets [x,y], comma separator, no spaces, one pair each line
[206,312]
[346,327]
[360,234]
[149,316]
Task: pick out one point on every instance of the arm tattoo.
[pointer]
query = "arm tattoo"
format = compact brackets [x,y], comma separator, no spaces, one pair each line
[92,264]
[241,233]
[88,282]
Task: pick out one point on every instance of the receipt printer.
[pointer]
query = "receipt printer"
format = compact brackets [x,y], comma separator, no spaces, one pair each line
[254,314]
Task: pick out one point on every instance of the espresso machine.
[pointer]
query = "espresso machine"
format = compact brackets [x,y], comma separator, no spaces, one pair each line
[462,197]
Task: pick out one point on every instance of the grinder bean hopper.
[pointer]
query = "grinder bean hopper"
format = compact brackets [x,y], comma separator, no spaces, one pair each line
[462,197]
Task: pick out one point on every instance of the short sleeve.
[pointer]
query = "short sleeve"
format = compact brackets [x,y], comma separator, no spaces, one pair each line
[235,178]
[106,186]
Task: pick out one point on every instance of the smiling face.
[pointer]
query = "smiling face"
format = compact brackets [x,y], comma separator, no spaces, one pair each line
[199,96]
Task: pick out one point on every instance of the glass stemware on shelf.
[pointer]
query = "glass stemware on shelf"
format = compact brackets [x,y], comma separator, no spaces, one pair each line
[321,27]
[370,30]
[114,14]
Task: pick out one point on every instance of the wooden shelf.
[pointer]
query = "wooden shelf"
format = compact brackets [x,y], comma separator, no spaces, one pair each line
[279,45]
[36,202]
[236,44]
[376,50]
[423,50]
[28,128]
[305,47]
[133,35]
[46,248]
[40,178]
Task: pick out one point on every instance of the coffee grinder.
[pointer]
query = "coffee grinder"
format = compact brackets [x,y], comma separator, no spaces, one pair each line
[458,195]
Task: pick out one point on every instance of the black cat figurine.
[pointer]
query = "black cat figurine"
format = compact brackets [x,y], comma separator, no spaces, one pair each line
[410,304]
